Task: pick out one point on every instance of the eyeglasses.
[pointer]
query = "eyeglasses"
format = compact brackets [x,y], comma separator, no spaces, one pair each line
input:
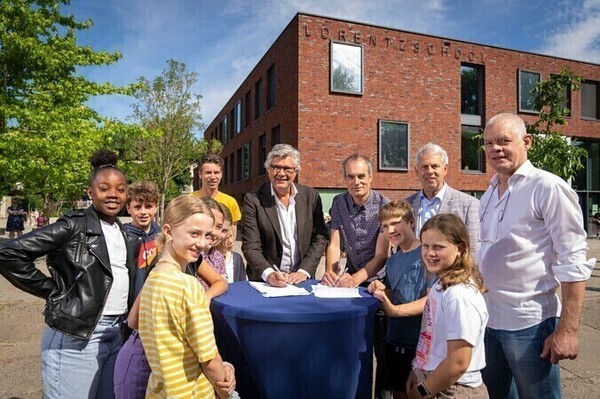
[286,170]
[491,241]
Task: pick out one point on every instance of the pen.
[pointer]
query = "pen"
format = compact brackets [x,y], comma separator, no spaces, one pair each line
[339,276]
[279,271]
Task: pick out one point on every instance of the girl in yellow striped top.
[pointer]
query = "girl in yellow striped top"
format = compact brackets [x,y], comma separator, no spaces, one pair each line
[175,324]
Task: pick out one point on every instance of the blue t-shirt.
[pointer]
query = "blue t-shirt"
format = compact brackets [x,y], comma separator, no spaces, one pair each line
[408,281]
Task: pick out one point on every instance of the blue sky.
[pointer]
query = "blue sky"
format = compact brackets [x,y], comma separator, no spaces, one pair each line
[223,40]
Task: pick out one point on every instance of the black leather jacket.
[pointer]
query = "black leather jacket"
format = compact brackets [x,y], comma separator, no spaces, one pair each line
[77,258]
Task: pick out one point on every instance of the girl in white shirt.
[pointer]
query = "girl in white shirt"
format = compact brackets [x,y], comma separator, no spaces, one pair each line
[450,352]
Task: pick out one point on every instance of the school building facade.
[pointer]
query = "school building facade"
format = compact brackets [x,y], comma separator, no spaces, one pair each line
[332,87]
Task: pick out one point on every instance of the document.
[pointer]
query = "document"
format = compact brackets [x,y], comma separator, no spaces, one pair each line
[325,291]
[273,292]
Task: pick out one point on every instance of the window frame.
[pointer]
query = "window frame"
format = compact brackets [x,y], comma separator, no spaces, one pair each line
[520,91]
[332,62]
[380,152]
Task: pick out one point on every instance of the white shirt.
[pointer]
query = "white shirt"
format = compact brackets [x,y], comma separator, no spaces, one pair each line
[428,208]
[116,302]
[531,238]
[290,256]
[459,312]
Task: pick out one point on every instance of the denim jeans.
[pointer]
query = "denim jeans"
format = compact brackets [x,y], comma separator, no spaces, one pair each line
[514,367]
[78,368]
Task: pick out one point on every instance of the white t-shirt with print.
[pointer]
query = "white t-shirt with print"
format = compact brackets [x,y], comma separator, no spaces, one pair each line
[459,312]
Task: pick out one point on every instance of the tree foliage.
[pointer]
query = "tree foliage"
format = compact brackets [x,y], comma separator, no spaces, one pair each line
[169,112]
[46,130]
[551,150]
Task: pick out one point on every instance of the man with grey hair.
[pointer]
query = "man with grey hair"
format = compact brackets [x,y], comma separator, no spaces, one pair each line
[283,231]
[532,243]
[436,196]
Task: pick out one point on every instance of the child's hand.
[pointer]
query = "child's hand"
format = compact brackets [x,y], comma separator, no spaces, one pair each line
[375,285]
[225,388]
[411,382]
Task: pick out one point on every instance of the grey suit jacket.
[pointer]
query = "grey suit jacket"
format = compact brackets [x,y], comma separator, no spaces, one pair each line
[261,233]
[462,205]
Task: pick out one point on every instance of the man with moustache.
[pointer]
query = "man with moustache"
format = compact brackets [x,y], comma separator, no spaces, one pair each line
[436,196]
[532,242]
[283,232]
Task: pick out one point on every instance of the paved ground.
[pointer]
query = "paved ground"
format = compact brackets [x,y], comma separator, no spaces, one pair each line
[21,325]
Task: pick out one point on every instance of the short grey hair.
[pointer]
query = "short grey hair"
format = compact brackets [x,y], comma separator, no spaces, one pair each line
[283,151]
[432,148]
[354,158]
[512,121]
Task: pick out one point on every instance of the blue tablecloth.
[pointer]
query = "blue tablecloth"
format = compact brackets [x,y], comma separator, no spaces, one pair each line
[296,347]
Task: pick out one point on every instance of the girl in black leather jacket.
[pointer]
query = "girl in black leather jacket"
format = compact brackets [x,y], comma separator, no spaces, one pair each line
[88,289]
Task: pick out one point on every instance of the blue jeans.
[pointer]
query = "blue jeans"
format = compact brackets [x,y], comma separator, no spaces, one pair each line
[514,367]
[78,368]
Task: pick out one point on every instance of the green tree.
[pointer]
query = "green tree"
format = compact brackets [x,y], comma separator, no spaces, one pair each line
[551,150]
[343,79]
[169,112]
[46,130]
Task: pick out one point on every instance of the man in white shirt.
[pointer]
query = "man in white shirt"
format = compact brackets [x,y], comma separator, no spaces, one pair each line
[436,196]
[532,242]
[283,231]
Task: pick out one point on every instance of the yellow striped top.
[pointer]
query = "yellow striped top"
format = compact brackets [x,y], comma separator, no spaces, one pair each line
[177,334]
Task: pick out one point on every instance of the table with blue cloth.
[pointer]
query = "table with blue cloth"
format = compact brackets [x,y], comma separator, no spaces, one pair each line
[296,347]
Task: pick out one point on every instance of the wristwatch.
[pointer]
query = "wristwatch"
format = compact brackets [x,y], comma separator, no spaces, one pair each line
[423,391]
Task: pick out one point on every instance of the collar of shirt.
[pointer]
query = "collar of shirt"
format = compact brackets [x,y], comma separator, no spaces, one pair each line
[523,170]
[292,194]
[354,208]
[426,202]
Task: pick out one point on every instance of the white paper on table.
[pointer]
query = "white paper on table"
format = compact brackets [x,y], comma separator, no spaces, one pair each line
[325,291]
[273,292]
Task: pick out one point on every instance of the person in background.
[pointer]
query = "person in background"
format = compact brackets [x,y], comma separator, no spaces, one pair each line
[436,196]
[450,353]
[403,295]
[132,369]
[284,234]
[532,243]
[87,293]
[174,319]
[235,269]
[41,220]
[15,223]
[210,172]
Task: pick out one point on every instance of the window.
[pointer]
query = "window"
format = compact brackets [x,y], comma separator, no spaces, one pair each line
[262,154]
[238,118]
[258,99]
[271,87]
[231,123]
[527,82]
[247,114]
[590,100]
[275,136]
[246,161]
[232,168]
[239,165]
[224,130]
[471,90]
[225,170]
[393,145]
[472,156]
[346,68]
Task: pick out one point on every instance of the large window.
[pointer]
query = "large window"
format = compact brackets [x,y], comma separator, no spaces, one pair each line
[590,100]
[245,161]
[527,81]
[271,87]
[393,145]
[258,99]
[262,154]
[238,118]
[471,90]
[346,68]
[471,153]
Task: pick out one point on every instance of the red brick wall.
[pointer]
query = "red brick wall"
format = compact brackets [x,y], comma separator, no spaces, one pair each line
[407,77]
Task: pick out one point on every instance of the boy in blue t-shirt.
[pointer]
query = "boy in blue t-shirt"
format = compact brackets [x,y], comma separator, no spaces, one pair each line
[404,294]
